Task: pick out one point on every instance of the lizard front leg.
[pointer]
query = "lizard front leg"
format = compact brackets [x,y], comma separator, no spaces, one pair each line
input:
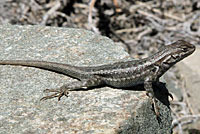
[63,90]
[149,89]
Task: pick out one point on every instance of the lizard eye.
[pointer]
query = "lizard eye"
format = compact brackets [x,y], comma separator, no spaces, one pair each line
[184,49]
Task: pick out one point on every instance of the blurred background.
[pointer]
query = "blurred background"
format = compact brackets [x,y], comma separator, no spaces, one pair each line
[141,26]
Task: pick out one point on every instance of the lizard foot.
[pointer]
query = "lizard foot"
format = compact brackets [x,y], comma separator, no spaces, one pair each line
[156,108]
[153,102]
[57,93]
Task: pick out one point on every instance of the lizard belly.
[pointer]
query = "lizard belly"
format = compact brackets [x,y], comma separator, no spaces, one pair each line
[123,82]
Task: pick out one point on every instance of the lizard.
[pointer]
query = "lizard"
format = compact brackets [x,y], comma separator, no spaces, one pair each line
[118,75]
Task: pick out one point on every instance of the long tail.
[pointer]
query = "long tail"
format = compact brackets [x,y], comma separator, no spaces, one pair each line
[73,71]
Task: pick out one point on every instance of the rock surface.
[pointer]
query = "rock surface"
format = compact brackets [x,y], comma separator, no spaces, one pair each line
[99,111]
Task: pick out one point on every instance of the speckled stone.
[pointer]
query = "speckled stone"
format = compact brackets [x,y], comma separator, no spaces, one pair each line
[98,111]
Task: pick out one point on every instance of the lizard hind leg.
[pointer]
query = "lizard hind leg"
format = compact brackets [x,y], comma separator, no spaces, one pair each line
[73,86]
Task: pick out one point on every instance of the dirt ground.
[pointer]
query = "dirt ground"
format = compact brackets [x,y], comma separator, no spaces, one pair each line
[142,26]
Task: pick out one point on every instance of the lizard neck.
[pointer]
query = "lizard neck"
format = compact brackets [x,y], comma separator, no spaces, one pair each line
[161,62]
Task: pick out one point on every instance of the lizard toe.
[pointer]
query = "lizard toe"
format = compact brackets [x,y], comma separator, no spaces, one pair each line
[51,90]
[50,96]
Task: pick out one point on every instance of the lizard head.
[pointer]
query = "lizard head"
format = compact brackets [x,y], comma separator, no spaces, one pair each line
[179,50]
[171,54]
